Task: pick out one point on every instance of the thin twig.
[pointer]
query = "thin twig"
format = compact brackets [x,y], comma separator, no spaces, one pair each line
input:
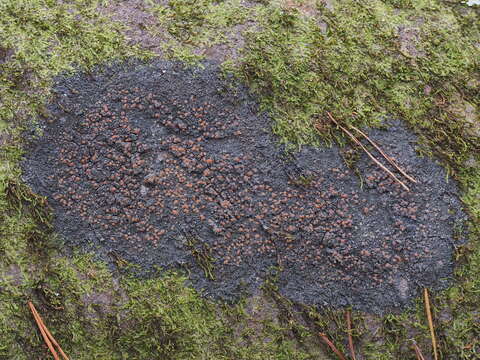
[42,331]
[356,141]
[332,347]
[41,324]
[418,352]
[349,329]
[388,158]
[430,323]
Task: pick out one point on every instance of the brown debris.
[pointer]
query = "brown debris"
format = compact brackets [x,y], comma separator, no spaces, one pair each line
[418,352]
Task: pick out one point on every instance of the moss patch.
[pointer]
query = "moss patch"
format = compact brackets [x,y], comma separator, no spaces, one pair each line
[362,61]
[193,29]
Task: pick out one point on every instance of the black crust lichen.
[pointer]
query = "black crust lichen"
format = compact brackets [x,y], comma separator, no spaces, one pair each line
[173,167]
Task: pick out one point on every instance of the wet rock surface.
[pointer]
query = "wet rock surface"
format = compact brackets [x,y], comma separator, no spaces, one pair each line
[173,167]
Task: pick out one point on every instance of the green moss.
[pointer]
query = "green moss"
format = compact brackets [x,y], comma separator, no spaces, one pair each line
[190,27]
[360,67]
[177,325]
[202,254]
[41,38]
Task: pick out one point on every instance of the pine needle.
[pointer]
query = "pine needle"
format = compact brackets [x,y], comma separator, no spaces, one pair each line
[349,329]
[387,157]
[418,352]
[356,141]
[42,331]
[332,346]
[47,336]
[430,323]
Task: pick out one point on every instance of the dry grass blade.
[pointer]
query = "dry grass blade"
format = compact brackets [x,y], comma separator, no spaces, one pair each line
[356,141]
[349,329]
[388,158]
[47,336]
[430,323]
[418,352]
[332,347]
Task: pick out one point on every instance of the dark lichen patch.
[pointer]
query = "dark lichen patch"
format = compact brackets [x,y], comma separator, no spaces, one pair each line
[141,159]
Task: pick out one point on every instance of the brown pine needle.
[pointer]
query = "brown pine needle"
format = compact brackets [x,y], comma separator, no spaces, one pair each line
[332,347]
[50,336]
[418,352]
[356,141]
[47,336]
[430,323]
[349,329]
[42,331]
[388,158]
